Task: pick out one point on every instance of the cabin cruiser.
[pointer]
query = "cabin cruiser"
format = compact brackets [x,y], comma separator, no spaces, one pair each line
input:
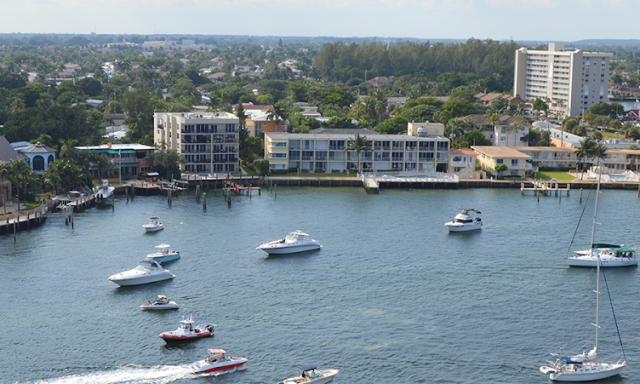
[294,242]
[610,255]
[104,192]
[465,221]
[311,375]
[154,225]
[164,254]
[187,331]
[218,361]
[148,271]
[162,303]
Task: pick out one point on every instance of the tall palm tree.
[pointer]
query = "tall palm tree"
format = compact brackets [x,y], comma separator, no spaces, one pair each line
[20,175]
[517,127]
[4,173]
[358,143]
[277,114]
[67,148]
[584,151]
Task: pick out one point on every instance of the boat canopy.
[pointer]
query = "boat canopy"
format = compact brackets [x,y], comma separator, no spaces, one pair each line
[154,218]
[568,360]
[162,297]
[217,351]
[308,367]
[605,245]
[623,250]
[162,246]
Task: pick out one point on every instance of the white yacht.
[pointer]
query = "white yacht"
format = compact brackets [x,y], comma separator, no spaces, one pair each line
[154,225]
[467,220]
[294,242]
[104,192]
[164,254]
[158,305]
[148,271]
[311,375]
[610,255]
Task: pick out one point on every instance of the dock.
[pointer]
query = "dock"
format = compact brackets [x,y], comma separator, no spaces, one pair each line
[370,184]
[545,187]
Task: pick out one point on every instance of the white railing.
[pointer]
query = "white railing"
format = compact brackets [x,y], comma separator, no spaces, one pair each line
[400,176]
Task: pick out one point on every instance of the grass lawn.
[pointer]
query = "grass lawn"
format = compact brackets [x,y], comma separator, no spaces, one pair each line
[560,176]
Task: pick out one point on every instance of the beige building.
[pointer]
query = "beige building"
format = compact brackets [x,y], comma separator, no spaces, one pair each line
[326,152]
[571,79]
[425,129]
[208,141]
[551,157]
[490,157]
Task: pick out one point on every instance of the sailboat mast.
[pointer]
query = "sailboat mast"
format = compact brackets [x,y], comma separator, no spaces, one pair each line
[593,232]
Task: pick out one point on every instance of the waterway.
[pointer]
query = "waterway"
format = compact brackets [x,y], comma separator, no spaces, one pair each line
[390,298]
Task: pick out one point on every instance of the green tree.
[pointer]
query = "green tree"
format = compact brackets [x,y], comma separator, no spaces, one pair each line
[166,162]
[358,144]
[68,148]
[584,151]
[263,167]
[501,168]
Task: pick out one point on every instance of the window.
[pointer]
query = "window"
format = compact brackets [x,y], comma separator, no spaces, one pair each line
[279,144]
[499,161]
[279,155]
[514,162]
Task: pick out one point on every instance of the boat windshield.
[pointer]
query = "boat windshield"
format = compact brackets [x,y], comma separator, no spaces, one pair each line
[147,267]
[294,236]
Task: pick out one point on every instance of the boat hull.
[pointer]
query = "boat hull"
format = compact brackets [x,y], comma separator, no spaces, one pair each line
[178,338]
[159,307]
[203,367]
[290,249]
[327,375]
[591,261]
[164,258]
[612,370]
[140,280]
[458,227]
[154,228]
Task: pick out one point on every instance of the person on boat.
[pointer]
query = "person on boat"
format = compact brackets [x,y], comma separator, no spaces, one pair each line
[148,302]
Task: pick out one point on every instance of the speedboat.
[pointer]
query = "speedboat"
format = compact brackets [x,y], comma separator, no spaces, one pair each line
[157,305]
[148,271]
[311,375]
[294,242]
[164,254]
[616,256]
[187,331]
[465,221]
[154,225]
[104,192]
[218,361]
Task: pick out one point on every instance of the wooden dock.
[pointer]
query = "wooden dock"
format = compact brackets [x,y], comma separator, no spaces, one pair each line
[239,188]
[370,184]
[545,187]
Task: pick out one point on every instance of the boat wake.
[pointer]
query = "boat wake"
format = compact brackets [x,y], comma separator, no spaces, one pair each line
[161,374]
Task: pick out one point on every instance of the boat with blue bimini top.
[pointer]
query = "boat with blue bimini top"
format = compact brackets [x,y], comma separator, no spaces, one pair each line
[164,254]
[294,242]
[311,375]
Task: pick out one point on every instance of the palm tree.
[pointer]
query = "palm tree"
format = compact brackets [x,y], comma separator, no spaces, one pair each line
[20,175]
[277,114]
[584,151]
[4,173]
[517,127]
[67,148]
[358,143]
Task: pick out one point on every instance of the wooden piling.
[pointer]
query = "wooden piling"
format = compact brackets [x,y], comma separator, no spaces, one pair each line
[250,190]
[275,190]
[15,230]
[204,201]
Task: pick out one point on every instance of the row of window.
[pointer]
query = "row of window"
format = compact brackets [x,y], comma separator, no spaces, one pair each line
[339,145]
[208,128]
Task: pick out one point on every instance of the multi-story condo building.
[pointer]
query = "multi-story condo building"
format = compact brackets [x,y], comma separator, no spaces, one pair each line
[208,141]
[571,79]
[326,152]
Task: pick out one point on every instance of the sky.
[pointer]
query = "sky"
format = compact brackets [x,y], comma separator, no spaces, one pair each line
[541,20]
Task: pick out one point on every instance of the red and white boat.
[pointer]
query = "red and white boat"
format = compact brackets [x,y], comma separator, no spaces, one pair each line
[188,331]
[218,362]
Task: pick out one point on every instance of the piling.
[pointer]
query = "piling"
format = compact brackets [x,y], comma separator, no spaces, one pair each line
[15,238]
[229,197]
[538,197]
[250,190]
[113,202]
[275,190]
[169,196]
[197,193]
[581,193]
[204,201]
[71,220]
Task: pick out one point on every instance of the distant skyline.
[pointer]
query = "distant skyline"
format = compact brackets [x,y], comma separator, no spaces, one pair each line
[541,20]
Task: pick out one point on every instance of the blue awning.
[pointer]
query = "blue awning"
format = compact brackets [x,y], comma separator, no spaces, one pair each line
[308,367]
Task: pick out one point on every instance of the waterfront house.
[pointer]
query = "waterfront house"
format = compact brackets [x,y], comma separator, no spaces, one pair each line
[259,122]
[551,157]
[7,153]
[38,156]
[489,157]
[504,131]
[208,141]
[326,152]
[462,162]
[128,159]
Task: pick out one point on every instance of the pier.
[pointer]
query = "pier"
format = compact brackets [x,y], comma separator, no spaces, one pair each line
[545,187]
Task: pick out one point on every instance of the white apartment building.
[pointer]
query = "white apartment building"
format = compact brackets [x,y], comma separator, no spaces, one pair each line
[208,141]
[573,80]
[326,152]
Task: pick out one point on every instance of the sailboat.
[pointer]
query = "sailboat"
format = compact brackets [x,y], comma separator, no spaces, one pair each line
[585,366]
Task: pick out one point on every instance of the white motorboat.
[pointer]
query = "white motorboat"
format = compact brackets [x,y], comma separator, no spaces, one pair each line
[467,220]
[164,254]
[609,257]
[218,362]
[104,192]
[188,331]
[311,375]
[294,242]
[154,225]
[158,305]
[586,366]
[148,271]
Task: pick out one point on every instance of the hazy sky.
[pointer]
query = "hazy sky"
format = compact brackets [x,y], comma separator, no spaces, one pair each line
[562,20]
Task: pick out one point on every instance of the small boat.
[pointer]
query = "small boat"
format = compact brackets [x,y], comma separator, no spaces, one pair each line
[465,221]
[154,225]
[294,242]
[104,193]
[61,206]
[311,375]
[610,255]
[161,304]
[218,361]
[148,271]
[164,254]
[187,331]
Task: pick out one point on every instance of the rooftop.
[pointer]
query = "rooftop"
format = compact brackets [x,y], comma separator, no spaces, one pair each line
[492,151]
[137,147]
[346,136]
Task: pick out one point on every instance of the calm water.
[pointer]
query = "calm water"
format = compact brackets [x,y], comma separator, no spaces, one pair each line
[391,297]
